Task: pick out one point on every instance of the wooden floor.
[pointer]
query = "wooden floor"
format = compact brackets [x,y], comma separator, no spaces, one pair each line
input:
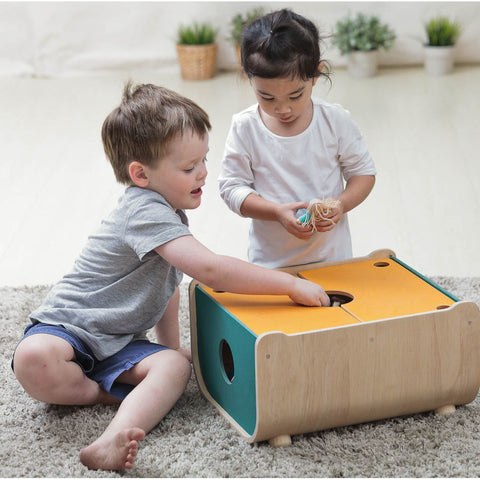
[423,132]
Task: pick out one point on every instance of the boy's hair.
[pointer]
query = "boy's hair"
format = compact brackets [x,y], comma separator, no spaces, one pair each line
[148,119]
[282,44]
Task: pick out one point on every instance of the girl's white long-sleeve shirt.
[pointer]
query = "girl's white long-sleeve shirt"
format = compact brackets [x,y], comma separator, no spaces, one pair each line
[313,164]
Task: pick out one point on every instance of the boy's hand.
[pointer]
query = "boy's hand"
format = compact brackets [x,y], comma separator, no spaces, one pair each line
[285,213]
[309,294]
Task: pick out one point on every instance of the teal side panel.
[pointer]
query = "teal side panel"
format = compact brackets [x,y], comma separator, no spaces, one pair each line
[425,279]
[232,386]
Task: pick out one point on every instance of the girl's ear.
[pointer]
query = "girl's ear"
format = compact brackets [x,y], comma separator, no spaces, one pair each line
[319,68]
[137,173]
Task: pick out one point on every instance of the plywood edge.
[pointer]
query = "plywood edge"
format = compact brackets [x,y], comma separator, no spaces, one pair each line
[194,342]
[420,363]
[263,430]
[374,255]
[462,307]
[196,363]
[193,321]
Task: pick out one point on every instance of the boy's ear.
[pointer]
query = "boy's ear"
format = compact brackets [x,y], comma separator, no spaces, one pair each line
[137,173]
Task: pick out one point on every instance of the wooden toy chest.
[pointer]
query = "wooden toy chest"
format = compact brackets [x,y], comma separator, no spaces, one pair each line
[397,344]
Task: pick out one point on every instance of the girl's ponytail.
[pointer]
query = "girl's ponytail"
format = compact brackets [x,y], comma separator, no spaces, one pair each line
[281,44]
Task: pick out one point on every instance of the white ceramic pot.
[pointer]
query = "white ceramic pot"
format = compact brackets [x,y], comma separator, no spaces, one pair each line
[362,64]
[439,60]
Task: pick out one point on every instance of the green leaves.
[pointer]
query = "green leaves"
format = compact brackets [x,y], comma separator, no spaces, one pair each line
[442,32]
[239,22]
[362,33]
[196,34]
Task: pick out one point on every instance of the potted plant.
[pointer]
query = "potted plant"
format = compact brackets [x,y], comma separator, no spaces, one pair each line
[238,23]
[442,35]
[360,39]
[197,51]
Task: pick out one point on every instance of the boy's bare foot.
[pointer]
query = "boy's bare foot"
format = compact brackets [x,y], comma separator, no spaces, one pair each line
[117,453]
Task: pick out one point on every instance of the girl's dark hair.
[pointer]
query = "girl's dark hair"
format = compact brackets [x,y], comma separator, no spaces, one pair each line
[282,44]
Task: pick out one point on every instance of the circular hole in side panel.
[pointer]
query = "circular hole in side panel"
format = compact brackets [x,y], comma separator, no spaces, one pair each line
[381,264]
[226,361]
[338,297]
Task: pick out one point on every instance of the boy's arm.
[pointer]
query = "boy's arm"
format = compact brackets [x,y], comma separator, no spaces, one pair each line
[233,275]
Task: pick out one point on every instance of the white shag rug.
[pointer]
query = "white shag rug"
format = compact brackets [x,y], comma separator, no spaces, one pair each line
[194,440]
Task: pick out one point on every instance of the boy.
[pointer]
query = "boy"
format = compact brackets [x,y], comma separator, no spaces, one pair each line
[86,344]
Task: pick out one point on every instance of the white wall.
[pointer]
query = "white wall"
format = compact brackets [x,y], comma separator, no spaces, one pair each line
[68,38]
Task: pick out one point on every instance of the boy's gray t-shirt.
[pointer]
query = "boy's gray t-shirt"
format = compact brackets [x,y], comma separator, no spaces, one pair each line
[119,287]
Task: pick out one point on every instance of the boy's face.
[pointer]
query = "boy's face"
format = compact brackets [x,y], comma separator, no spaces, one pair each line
[180,175]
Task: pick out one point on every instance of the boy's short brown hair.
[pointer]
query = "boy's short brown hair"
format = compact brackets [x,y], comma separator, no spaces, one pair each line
[143,125]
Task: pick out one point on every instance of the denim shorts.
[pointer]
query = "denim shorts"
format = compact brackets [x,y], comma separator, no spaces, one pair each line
[104,372]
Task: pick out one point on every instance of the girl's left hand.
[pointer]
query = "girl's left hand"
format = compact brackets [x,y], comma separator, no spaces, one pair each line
[331,220]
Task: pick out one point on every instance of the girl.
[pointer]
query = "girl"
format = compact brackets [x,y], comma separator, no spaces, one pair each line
[290,148]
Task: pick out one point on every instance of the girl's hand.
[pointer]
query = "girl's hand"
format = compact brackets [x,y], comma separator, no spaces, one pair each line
[285,213]
[309,294]
[331,220]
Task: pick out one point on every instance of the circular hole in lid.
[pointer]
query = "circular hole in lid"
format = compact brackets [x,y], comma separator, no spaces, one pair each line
[381,264]
[337,297]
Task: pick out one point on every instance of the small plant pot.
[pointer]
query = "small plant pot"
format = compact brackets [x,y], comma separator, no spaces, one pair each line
[238,54]
[439,60]
[197,62]
[362,64]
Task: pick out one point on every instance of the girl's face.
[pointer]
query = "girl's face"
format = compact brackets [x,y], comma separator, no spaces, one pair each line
[285,103]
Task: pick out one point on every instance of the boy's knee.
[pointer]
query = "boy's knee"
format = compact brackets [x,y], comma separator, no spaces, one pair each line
[178,366]
[27,356]
[35,362]
[182,365]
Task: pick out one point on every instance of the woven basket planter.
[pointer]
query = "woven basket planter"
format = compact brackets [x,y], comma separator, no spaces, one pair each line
[197,62]
[239,61]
